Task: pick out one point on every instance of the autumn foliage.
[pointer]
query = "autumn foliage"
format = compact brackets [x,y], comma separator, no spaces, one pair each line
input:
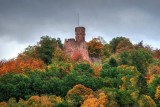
[95,47]
[45,76]
[20,65]
[155,69]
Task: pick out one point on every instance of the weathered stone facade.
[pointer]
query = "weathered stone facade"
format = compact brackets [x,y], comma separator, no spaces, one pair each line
[72,46]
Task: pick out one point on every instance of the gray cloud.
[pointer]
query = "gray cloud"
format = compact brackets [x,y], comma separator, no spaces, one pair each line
[23,22]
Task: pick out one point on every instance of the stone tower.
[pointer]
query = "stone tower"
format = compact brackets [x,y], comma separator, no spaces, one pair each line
[80,34]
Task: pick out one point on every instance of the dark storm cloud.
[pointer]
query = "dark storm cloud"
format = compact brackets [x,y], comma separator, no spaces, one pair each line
[23,22]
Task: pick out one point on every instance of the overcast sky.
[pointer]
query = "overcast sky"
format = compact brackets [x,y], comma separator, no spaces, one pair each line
[23,22]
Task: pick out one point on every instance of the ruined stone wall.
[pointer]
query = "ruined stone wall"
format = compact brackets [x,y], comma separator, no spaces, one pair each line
[71,48]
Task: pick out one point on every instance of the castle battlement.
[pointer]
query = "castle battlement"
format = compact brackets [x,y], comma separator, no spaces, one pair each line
[70,40]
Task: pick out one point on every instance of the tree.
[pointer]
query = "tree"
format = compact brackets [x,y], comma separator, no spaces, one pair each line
[83,68]
[92,101]
[21,65]
[113,62]
[124,98]
[124,45]
[109,72]
[60,45]
[59,55]
[30,51]
[141,58]
[45,48]
[115,41]
[146,101]
[125,58]
[95,47]
[106,52]
[76,94]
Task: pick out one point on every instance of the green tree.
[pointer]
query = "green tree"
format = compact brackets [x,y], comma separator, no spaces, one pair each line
[109,72]
[83,68]
[124,98]
[45,48]
[141,59]
[30,51]
[22,86]
[113,62]
[59,43]
[125,58]
[106,52]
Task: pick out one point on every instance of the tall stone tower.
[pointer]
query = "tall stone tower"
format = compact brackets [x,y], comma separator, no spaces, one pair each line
[80,34]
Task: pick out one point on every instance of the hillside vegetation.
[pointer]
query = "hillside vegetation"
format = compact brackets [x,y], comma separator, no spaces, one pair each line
[45,76]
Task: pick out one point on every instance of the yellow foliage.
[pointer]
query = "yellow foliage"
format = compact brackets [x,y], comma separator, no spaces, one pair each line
[80,90]
[123,87]
[58,99]
[36,101]
[133,81]
[103,99]
[150,80]
[157,95]
[97,69]
[146,101]
[134,96]
[92,101]
[126,67]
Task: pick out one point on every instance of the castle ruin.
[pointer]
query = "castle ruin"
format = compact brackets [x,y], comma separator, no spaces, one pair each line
[78,44]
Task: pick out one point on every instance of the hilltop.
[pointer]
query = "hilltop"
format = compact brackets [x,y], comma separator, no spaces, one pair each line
[79,73]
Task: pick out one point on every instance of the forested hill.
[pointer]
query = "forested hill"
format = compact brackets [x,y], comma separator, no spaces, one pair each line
[45,76]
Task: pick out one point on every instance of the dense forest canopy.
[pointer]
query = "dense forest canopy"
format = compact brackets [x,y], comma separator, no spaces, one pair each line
[45,76]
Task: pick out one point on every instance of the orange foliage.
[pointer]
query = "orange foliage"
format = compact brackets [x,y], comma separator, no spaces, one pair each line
[92,101]
[97,69]
[20,65]
[155,69]
[77,56]
[95,47]
[3,104]
[157,95]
